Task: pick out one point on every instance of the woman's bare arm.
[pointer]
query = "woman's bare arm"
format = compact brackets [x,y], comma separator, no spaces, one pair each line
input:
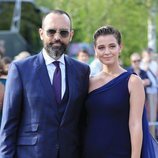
[137,99]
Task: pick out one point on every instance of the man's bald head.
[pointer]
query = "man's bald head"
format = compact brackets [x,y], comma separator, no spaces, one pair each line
[60,12]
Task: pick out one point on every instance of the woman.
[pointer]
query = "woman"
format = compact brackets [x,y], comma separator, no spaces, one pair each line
[115,106]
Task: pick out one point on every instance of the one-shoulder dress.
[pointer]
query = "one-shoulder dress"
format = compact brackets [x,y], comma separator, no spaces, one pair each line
[107,123]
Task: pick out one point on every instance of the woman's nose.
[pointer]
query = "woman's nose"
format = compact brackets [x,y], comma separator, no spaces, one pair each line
[106,51]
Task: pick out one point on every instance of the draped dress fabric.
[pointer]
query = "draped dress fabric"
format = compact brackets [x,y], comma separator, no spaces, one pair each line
[107,129]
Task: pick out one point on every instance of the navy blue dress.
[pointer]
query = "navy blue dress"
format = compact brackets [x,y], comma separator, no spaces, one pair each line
[107,132]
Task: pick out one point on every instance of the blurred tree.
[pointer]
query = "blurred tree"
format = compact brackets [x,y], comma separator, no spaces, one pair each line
[129,16]
[20,28]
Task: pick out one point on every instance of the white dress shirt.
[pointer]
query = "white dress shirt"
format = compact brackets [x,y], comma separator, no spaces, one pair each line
[51,69]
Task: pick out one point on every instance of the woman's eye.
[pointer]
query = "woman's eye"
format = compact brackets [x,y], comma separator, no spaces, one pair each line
[112,46]
[100,48]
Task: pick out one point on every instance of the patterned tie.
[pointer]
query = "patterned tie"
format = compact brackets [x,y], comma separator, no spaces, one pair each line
[57,82]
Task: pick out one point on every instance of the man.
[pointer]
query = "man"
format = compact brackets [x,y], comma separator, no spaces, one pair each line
[40,120]
[135,68]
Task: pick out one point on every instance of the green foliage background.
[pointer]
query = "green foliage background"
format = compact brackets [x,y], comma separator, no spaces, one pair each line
[129,16]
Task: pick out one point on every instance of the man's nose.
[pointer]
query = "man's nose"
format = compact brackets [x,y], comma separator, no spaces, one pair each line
[57,36]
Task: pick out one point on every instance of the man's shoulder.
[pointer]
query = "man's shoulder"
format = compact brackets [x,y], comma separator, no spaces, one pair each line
[77,66]
[75,62]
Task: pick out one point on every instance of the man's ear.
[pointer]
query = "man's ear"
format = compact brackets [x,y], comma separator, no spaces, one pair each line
[41,33]
[71,35]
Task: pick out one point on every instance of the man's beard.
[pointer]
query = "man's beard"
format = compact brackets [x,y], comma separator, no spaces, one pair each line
[55,52]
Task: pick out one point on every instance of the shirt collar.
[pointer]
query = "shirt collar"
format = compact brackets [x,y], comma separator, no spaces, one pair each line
[49,60]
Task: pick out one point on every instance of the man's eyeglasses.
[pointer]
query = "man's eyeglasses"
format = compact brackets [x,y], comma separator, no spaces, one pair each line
[136,61]
[63,33]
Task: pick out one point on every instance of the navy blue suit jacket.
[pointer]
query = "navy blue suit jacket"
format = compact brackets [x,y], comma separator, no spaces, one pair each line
[30,126]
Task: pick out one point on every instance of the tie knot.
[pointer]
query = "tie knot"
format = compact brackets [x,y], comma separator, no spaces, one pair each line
[56,63]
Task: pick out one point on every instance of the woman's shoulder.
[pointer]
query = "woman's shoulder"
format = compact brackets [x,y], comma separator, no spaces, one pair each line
[134,79]
[95,81]
[135,82]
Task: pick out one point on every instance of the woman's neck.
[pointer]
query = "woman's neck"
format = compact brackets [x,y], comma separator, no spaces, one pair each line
[113,70]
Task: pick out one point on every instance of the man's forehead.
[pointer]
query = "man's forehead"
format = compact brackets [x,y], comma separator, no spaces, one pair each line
[55,18]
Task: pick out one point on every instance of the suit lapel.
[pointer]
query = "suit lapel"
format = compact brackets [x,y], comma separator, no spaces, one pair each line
[41,71]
